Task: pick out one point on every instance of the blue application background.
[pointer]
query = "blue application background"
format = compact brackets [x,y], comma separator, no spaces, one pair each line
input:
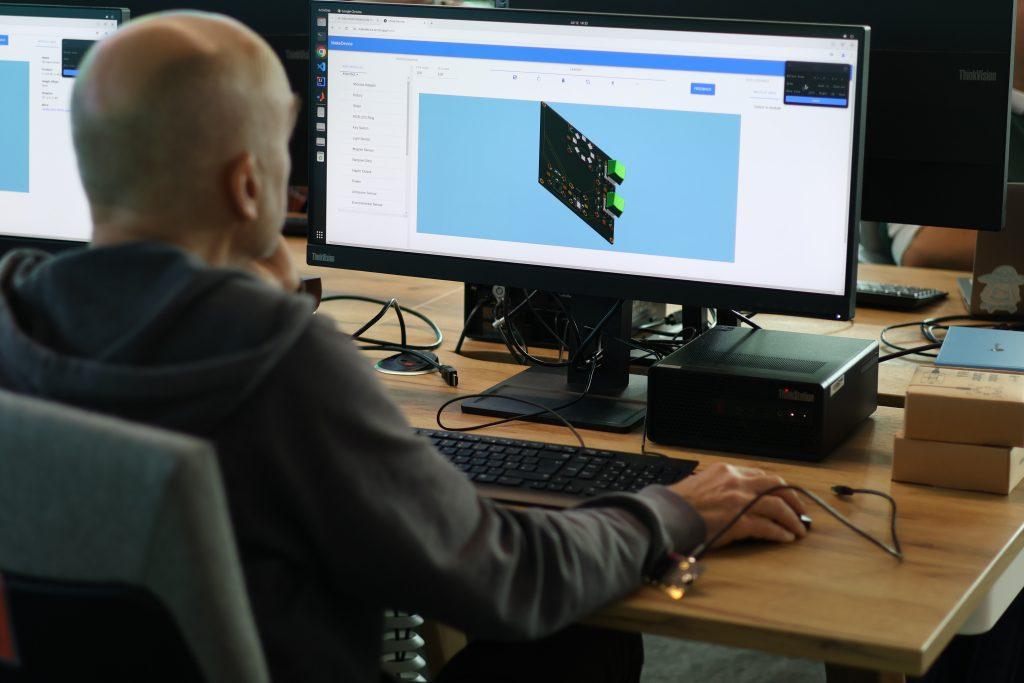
[478,176]
[14,111]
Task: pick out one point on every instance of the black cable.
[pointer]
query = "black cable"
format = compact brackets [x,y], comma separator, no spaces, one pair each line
[744,319]
[375,319]
[638,345]
[928,326]
[542,409]
[895,550]
[517,346]
[400,311]
[448,373]
[465,326]
[910,352]
[544,323]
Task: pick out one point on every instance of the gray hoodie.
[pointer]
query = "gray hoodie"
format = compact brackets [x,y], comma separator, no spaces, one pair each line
[339,510]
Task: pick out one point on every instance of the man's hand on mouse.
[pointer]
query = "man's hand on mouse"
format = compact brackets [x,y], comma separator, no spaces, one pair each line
[718,492]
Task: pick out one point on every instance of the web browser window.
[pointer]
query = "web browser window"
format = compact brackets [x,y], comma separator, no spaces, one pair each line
[715,157]
[41,194]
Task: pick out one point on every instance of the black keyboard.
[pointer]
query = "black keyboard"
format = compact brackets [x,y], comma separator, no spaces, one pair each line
[538,473]
[896,297]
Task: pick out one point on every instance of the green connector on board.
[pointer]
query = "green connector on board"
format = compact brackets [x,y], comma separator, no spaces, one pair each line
[616,171]
[614,202]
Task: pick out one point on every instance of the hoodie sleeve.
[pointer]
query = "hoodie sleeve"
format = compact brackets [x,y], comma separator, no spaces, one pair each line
[395,521]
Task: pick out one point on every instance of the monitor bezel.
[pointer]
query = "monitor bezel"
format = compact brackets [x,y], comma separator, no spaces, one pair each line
[590,283]
[11,242]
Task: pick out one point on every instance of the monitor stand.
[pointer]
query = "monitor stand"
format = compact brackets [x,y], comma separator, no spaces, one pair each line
[617,401]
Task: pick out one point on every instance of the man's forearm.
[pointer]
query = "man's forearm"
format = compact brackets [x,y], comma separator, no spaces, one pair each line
[934,247]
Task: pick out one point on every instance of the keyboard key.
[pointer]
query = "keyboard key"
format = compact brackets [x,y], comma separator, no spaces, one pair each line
[532,476]
[509,481]
[485,478]
[549,466]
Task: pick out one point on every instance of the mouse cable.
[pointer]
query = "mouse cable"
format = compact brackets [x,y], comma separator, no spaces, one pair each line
[678,573]
[895,550]
[400,312]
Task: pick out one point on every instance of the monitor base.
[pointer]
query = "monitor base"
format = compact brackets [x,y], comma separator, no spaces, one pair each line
[604,411]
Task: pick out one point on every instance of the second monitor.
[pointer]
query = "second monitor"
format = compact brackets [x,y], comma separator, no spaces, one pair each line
[938,96]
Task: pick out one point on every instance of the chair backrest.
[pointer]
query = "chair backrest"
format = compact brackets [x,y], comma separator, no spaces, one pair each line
[122,532]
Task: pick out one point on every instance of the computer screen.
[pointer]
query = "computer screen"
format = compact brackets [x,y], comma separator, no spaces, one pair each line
[687,161]
[938,97]
[282,23]
[41,195]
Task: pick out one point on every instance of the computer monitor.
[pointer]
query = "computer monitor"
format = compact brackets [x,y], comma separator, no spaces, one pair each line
[613,157]
[41,197]
[938,96]
[283,24]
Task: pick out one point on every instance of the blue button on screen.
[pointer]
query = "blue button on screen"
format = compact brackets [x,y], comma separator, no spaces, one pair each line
[3,39]
[702,88]
[818,101]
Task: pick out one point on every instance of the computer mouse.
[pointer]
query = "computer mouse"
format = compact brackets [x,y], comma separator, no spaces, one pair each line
[807,521]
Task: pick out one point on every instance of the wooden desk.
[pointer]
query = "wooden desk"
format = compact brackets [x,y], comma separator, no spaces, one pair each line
[443,300]
[831,597]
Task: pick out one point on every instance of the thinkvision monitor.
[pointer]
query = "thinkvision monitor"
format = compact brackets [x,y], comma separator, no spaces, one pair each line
[686,161]
[41,197]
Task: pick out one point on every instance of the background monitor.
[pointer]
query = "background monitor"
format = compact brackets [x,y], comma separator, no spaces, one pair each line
[283,23]
[41,197]
[938,96]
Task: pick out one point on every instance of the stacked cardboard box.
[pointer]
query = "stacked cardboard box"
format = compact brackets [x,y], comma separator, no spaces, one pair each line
[964,430]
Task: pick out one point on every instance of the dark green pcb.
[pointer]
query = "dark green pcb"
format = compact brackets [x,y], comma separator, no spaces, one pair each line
[579,174]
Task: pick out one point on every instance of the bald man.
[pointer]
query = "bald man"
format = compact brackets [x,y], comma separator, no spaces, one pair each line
[181,314]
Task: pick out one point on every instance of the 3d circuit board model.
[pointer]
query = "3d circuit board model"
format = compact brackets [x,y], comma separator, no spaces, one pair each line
[579,174]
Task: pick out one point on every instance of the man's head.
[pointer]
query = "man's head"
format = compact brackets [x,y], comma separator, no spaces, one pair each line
[181,124]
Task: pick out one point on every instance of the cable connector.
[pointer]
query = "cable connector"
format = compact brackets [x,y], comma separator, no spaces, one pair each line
[841,490]
[449,374]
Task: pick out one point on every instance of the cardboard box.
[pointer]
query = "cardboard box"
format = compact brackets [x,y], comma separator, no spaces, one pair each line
[993,469]
[966,406]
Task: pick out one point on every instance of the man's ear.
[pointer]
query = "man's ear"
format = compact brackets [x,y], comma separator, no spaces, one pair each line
[244,188]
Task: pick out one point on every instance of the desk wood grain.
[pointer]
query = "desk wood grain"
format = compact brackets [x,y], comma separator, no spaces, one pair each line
[831,597]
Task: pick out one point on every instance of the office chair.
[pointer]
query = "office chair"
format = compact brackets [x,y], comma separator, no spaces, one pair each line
[117,559]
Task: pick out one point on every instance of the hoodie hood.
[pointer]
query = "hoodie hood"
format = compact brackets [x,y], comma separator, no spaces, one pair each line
[141,330]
